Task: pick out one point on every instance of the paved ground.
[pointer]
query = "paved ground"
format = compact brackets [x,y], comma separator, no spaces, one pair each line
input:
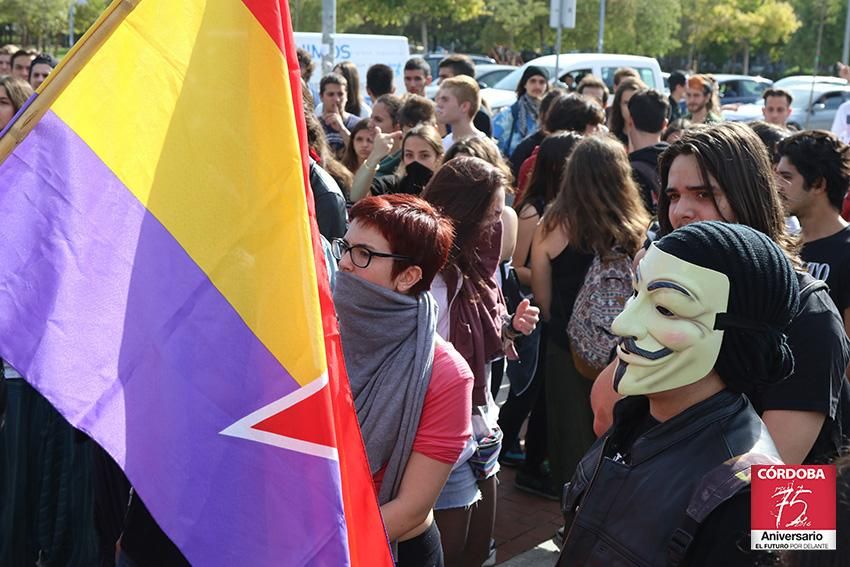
[524,526]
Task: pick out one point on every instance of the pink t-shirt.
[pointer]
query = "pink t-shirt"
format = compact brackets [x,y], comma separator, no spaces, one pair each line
[444,425]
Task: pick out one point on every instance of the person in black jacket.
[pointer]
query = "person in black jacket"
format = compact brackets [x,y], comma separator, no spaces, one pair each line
[705,322]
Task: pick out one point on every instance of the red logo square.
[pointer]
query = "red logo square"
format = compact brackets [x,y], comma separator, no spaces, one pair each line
[793,507]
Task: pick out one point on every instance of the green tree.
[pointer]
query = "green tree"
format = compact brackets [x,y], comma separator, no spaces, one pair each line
[37,22]
[746,24]
[799,52]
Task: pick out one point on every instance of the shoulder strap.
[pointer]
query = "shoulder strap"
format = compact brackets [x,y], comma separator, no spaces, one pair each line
[716,487]
[812,287]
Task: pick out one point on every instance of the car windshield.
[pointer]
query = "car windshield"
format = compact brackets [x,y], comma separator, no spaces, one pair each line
[801,97]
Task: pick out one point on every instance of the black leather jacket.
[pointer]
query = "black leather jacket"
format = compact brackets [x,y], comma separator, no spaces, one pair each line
[624,510]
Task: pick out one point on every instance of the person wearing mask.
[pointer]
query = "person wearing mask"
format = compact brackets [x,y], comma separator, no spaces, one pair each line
[668,483]
[597,210]
[421,150]
[473,317]
[723,172]
[411,389]
[515,122]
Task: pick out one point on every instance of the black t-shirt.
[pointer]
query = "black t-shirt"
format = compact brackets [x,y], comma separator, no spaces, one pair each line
[647,176]
[395,183]
[821,355]
[828,259]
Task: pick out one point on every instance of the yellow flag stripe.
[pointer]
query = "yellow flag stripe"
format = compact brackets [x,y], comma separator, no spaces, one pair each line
[188,103]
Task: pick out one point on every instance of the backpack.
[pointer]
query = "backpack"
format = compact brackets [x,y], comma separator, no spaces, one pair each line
[607,285]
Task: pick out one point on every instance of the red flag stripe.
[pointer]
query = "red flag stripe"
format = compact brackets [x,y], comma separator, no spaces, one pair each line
[271,14]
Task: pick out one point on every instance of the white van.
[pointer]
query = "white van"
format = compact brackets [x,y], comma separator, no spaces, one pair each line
[602,65]
[363,50]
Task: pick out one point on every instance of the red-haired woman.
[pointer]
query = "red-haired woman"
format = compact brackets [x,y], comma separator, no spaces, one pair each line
[412,390]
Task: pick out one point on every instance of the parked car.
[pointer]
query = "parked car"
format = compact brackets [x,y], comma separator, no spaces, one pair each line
[741,89]
[486,74]
[825,100]
[797,80]
[576,65]
[434,59]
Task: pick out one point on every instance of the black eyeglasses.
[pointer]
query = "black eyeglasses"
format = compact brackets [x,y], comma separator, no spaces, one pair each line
[360,255]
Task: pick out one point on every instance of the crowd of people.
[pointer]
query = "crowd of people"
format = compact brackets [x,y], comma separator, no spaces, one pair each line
[667,295]
[21,72]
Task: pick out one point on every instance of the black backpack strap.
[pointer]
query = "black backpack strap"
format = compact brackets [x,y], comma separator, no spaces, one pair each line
[810,288]
[716,487]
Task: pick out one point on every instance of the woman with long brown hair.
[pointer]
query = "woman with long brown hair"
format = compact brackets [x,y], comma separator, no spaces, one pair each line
[599,209]
[473,317]
[359,146]
[620,107]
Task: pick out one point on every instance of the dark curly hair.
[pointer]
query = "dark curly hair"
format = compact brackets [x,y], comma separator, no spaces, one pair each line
[817,155]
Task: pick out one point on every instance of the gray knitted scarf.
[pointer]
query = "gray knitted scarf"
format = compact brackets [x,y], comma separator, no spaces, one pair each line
[388,344]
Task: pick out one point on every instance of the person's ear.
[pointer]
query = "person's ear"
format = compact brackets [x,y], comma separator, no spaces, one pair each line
[428,80]
[819,185]
[664,125]
[408,278]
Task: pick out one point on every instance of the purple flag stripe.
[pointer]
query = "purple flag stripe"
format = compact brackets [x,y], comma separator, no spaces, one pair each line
[105,313]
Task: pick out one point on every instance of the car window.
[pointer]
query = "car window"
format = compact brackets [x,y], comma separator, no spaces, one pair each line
[831,101]
[646,75]
[751,88]
[729,89]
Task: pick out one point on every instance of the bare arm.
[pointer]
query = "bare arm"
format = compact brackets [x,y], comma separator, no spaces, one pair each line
[509,233]
[602,399]
[362,182]
[794,432]
[541,273]
[422,482]
[528,219]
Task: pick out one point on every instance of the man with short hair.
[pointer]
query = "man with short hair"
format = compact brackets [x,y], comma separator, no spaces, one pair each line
[813,174]
[595,87]
[647,119]
[777,106]
[457,102]
[677,82]
[20,62]
[6,53]
[335,120]
[624,73]
[461,65]
[379,81]
[39,69]
[700,95]
[384,121]
[417,76]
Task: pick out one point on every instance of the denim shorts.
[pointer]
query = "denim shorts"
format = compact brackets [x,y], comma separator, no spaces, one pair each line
[461,489]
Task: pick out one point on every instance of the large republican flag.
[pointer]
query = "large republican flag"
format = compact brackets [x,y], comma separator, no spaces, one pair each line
[160,282]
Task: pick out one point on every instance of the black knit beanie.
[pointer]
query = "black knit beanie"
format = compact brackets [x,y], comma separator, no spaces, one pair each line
[764,297]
